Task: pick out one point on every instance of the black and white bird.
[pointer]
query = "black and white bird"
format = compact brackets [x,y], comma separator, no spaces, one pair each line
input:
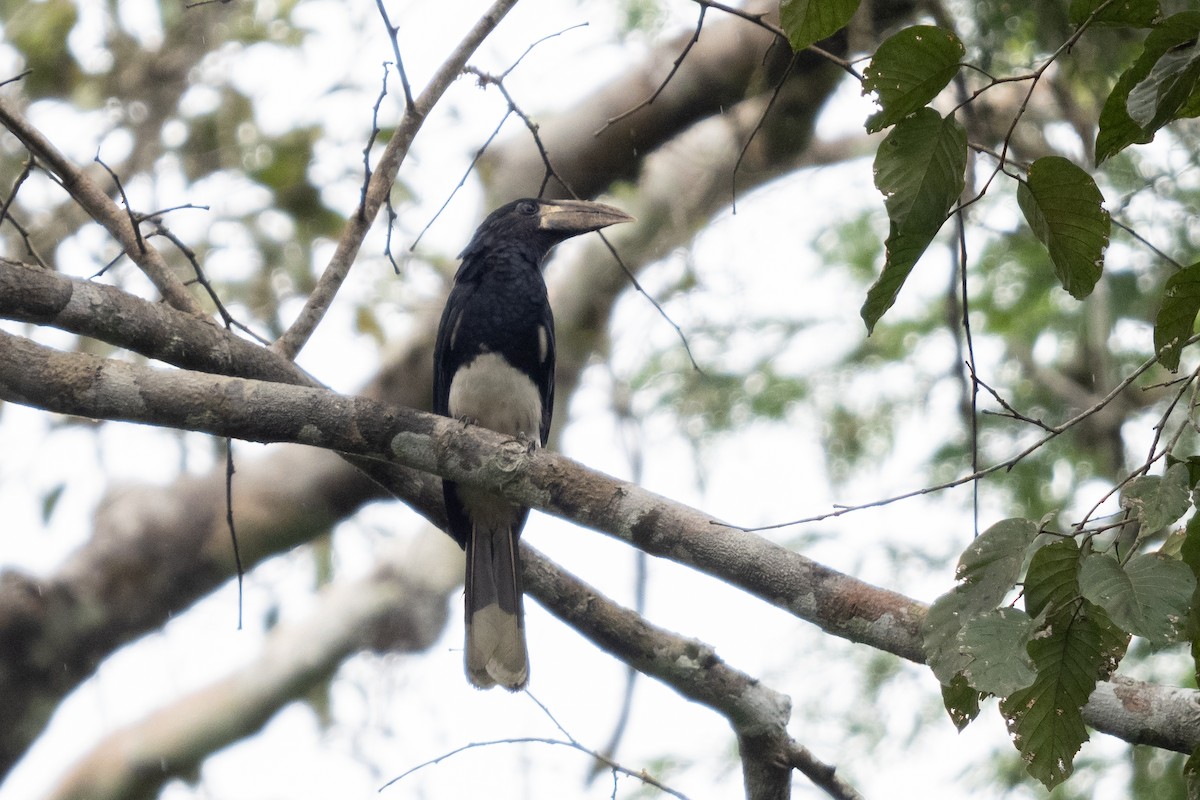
[494,366]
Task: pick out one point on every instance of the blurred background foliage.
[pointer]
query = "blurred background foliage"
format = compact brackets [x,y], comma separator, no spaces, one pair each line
[177,117]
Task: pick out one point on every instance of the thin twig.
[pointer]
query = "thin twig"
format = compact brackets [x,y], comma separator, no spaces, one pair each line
[1007,464]
[394,35]
[382,180]
[753,133]
[641,775]
[674,68]
[133,218]
[761,21]
[486,79]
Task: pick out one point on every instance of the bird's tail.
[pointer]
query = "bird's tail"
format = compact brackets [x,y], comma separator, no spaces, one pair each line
[495,652]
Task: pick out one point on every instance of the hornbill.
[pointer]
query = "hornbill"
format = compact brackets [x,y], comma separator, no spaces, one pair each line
[494,366]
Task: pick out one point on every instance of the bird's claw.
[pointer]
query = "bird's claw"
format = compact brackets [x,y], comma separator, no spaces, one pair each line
[530,443]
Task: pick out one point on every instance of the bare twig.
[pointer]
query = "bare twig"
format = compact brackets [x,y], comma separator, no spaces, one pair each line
[394,35]
[1052,432]
[101,207]
[641,775]
[380,186]
[687,48]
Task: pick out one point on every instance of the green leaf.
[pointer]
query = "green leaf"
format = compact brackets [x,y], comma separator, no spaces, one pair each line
[1191,463]
[50,501]
[939,632]
[1161,95]
[1149,597]
[961,701]
[1163,589]
[992,562]
[920,170]
[995,642]
[1158,500]
[1052,579]
[1062,205]
[1133,13]
[908,70]
[809,21]
[1177,316]
[1190,552]
[1117,129]
[987,570]
[1045,719]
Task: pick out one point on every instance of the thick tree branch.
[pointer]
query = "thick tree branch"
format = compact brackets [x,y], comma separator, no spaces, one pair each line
[844,606]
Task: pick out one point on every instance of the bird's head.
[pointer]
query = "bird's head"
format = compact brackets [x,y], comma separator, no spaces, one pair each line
[541,224]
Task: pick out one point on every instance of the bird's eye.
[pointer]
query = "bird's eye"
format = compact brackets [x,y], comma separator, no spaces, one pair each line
[527,207]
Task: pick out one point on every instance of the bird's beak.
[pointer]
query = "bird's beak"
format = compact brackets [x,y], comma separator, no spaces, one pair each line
[579,216]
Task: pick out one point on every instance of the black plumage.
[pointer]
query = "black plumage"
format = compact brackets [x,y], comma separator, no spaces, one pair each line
[494,366]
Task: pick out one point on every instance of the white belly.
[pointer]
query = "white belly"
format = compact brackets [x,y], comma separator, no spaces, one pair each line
[497,396]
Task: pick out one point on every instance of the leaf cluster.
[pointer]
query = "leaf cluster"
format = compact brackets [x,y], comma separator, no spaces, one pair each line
[1037,617]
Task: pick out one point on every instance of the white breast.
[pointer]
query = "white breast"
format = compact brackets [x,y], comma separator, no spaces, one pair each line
[497,396]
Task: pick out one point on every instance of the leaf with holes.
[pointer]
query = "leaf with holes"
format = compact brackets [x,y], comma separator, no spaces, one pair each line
[961,701]
[920,169]
[1045,719]
[1158,500]
[995,642]
[987,571]
[1062,205]
[809,21]
[1149,597]
[908,70]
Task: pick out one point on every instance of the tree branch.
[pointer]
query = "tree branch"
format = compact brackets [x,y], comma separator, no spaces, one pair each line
[101,208]
[85,385]
[380,185]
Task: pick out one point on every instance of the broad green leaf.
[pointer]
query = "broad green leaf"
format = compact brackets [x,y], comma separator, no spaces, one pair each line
[1052,579]
[995,642]
[987,570]
[1163,588]
[1158,500]
[1132,13]
[1045,719]
[1105,583]
[920,170]
[1062,205]
[992,562]
[908,70]
[1177,316]
[1192,463]
[809,21]
[1160,97]
[939,632]
[1149,597]
[961,701]
[1117,129]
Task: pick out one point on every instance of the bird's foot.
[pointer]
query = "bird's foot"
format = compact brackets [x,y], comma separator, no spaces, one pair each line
[530,443]
[466,421]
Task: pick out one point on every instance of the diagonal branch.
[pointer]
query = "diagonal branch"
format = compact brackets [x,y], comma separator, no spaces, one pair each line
[839,604]
[380,185]
[101,207]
